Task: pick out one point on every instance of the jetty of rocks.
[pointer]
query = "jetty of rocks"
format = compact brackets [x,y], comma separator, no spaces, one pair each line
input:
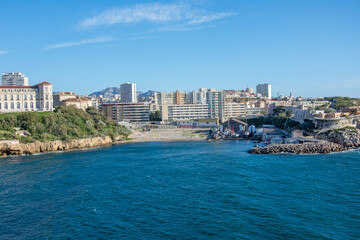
[305,148]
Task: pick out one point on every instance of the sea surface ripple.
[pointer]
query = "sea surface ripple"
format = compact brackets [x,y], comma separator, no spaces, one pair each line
[180,190]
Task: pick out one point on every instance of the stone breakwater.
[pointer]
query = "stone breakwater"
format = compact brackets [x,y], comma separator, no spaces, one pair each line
[7,149]
[306,148]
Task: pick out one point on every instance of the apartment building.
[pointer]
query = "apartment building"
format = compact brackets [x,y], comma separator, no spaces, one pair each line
[129,112]
[235,110]
[216,101]
[14,79]
[184,111]
[128,93]
[264,90]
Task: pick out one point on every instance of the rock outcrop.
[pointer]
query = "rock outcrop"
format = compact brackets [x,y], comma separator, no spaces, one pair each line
[7,149]
[306,148]
[349,137]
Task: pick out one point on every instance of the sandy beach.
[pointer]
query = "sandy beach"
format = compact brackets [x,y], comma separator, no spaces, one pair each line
[179,134]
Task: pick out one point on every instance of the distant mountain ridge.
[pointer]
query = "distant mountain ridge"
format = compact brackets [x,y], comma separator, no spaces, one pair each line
[107,92]
[111,91]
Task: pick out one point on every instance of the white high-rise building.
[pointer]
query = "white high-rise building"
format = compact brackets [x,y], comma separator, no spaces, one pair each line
[128,93]
[14,79]
[264,90]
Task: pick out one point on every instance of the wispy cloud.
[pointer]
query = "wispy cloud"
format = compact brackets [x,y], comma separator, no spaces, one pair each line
[154,13]
[78,43]
[3,52]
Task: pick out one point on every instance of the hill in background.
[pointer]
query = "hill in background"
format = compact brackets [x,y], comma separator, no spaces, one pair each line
[111,91]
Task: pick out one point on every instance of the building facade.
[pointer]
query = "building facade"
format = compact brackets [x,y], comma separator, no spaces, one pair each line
[14,79]
[128,93]
[78,102]
[129,112]
[61,96]
[184,111]
[26,98]
[264,90]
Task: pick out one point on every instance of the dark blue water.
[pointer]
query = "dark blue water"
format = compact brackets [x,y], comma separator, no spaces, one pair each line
[183,190]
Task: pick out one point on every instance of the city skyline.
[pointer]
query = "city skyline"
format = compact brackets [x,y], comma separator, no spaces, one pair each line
[310,49]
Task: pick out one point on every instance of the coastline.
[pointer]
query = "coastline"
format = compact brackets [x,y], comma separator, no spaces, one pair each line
[159,135]
[174,135]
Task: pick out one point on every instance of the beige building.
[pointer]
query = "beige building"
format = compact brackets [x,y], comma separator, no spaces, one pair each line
[61,96]
[26,98]
[184,111]
[235,110]
[78,102]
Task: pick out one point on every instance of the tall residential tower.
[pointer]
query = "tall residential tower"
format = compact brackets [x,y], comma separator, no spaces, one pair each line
[14,79]
[264,90]
[128,93]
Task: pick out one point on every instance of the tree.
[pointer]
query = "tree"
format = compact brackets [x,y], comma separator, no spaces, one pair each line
[330,110]
[289,113]
[278,110]
[156,116]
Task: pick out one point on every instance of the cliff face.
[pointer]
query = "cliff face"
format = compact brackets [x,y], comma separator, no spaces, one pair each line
[7,149]
[345,137]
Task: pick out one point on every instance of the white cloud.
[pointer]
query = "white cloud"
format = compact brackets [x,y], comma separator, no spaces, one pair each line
[155,13]
[3,52]
[78,43]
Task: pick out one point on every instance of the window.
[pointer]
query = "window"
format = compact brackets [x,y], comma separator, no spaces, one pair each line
[47,105]
[47,97]
[25,105]
[31,105]
[12,105]
[18,97]
[5,97]
[37,104]
[25,97]
[0,105]
[31,97]
[6,105]
[46,89]
[18,105]
[11,97]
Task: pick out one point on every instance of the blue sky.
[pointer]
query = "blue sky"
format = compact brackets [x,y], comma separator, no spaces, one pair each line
[309,47]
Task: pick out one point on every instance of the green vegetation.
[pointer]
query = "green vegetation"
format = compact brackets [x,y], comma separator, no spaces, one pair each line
[65,123]
[339,102]
[156,116]
[330,110]
[340,130]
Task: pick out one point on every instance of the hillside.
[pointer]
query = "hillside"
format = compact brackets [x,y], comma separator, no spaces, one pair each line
[107,92]
[111,91]
[339,102]
[65,123]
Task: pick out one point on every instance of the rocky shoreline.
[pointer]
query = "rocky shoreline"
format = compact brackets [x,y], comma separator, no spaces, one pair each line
[8,149]
[306,148]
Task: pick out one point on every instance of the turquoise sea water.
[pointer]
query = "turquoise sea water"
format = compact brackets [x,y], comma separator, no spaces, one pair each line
[180,190]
